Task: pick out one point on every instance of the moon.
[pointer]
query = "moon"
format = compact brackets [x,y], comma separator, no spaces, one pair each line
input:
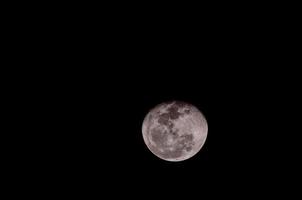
[174,131]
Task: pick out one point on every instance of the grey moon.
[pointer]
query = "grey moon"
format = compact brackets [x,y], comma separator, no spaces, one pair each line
[174,131]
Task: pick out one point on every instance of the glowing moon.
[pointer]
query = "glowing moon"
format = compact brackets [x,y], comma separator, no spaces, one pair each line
[174,131]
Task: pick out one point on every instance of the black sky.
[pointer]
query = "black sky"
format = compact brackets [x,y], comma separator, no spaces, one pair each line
[92,96]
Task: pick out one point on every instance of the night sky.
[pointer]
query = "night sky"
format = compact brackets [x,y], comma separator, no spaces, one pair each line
[90,103]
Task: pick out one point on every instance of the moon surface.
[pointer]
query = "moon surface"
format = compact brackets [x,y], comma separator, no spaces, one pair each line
[174,131]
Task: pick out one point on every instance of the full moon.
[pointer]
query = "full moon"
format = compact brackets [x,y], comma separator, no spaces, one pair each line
[174,131]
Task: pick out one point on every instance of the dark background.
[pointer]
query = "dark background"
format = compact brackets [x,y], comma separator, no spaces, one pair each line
[90,84]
